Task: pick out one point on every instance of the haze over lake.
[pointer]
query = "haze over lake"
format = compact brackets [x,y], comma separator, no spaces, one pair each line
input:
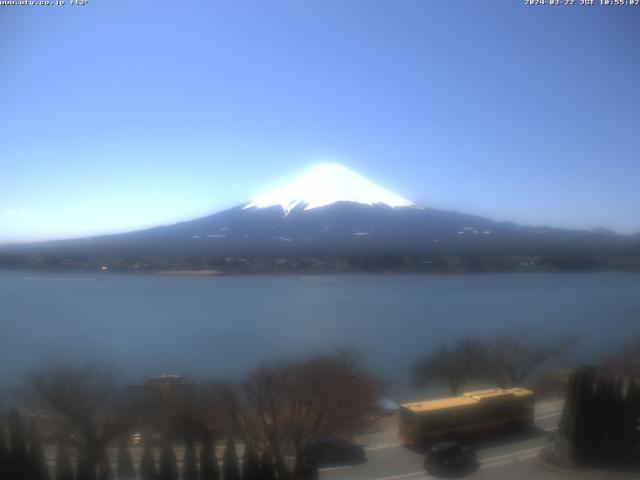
[224,326]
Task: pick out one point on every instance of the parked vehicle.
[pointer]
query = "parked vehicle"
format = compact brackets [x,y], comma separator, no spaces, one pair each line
[450,457]
[336,451]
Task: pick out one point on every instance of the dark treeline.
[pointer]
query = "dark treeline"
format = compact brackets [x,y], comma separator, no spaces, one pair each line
[600,421]
[397,263]
[600,424]
[266,424]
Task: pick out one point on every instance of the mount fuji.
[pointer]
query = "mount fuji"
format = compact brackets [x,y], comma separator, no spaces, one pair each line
[333,211]
[325,185]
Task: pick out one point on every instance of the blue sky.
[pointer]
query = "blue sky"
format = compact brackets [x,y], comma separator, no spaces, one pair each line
[119,115]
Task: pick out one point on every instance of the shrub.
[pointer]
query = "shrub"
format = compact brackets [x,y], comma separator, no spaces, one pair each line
[230,467]
[190,462]
[208,462]
[168,464]
[104,467]
[148,469]
[19,454]
[125,468]
[250,464]
[4,456]
[63,470]
[37,461]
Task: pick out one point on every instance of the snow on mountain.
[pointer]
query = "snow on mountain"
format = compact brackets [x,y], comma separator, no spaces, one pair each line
[327,184]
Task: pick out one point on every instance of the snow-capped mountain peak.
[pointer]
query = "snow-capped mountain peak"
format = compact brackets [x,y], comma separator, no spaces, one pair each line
[327,184]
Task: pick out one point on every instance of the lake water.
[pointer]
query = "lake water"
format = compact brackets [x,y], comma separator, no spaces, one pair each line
[224,326]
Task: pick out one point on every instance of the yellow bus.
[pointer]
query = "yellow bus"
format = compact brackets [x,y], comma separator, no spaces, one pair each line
[468,415]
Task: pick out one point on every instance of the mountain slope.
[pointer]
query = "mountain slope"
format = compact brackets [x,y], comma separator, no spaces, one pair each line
[343,228]
[334,211]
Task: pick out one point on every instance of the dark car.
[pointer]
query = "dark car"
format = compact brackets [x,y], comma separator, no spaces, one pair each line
[450,457]
[335,451]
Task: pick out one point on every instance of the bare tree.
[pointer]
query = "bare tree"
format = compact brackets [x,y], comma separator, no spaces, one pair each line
[284,408]
[89,398]
[513,358]
[453,366]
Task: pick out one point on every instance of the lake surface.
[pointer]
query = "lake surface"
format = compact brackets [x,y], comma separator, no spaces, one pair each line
[224,326]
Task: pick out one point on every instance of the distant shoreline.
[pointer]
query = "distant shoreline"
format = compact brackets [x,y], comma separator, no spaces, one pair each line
[197,273]
[284,273]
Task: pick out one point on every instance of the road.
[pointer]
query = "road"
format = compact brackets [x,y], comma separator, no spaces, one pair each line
[507,457]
